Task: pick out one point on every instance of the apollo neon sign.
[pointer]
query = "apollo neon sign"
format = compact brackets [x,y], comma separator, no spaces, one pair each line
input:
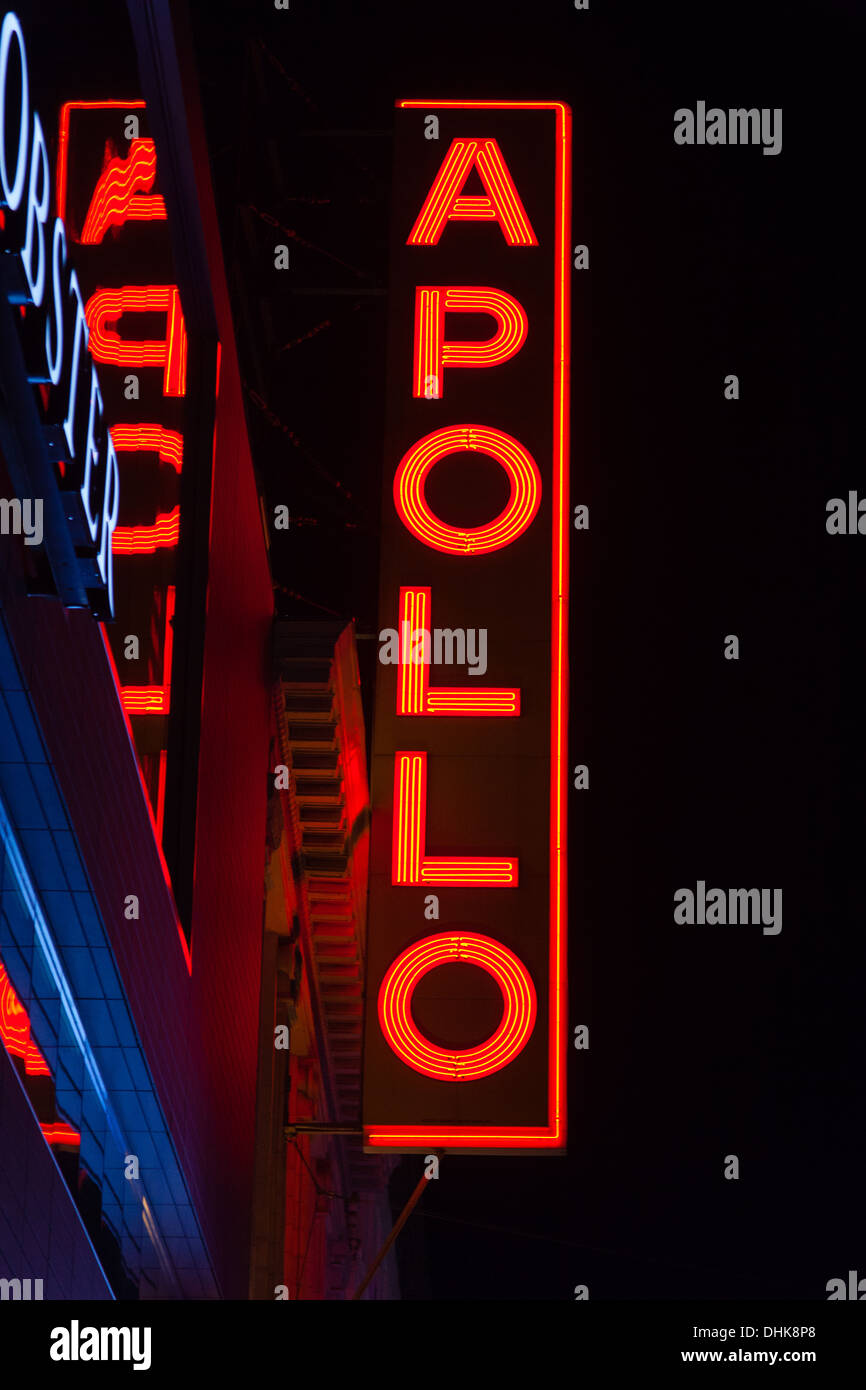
[465,1030]
[54,329]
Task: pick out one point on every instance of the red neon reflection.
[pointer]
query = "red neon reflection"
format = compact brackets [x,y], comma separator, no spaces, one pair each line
[154,699]
[414,693]
[518,514]
[466,1064]
[15,1029]
[433,354]
[16,1038]
[181,935]
[168,444]
[118,196]
[105,307]
[409,862]
[61,1135]
[63,139]
[150,439]
[500,202]
[144,540]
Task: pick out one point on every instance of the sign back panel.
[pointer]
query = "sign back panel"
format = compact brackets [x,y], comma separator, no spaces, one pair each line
[465,1021]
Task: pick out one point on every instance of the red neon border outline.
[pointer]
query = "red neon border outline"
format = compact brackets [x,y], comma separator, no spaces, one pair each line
[553,1134]
[61,172]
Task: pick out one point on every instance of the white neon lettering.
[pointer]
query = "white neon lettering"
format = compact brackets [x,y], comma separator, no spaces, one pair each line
[37,212]
[91,453]
[63,337]
[110,511]
[80,331]
[13,192]
[58,264]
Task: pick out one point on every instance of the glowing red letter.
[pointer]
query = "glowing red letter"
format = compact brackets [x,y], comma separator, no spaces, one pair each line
[500,203]
[470,1063]
[410,864]
[419,462]
[414,693]
[105,307]
[432,353]
[118,198]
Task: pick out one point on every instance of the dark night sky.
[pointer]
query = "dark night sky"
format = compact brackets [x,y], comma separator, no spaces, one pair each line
[707,518]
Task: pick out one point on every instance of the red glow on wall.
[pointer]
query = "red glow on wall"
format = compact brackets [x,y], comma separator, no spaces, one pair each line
[466,1064]
[123,193]
[433,354]
[410,864]
[419,461]
[109,656]
[414,692]
[499,203]
[160,794]
[106,307]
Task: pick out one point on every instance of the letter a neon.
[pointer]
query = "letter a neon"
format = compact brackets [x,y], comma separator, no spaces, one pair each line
[446,202]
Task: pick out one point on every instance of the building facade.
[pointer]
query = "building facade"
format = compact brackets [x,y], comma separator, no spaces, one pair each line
[138,723]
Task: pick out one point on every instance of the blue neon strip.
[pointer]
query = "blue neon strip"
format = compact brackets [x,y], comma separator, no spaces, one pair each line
[46,945]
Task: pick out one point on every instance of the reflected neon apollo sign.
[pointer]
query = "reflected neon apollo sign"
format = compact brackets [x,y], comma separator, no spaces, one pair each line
[465,1022]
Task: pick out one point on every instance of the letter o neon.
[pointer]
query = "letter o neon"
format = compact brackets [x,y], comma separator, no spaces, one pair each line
[416,465]
[12,194]
[448,948]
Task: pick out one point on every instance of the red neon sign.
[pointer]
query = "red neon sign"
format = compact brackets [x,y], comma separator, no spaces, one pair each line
[522,424]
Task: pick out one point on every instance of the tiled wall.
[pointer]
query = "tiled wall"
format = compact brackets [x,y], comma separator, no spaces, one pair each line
[41,1232]
[199,1032]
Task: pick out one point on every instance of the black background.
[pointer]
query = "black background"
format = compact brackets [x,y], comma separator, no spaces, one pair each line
[706,518]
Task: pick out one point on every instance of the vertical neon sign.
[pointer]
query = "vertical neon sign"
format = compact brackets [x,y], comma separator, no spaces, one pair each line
[465,1023]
